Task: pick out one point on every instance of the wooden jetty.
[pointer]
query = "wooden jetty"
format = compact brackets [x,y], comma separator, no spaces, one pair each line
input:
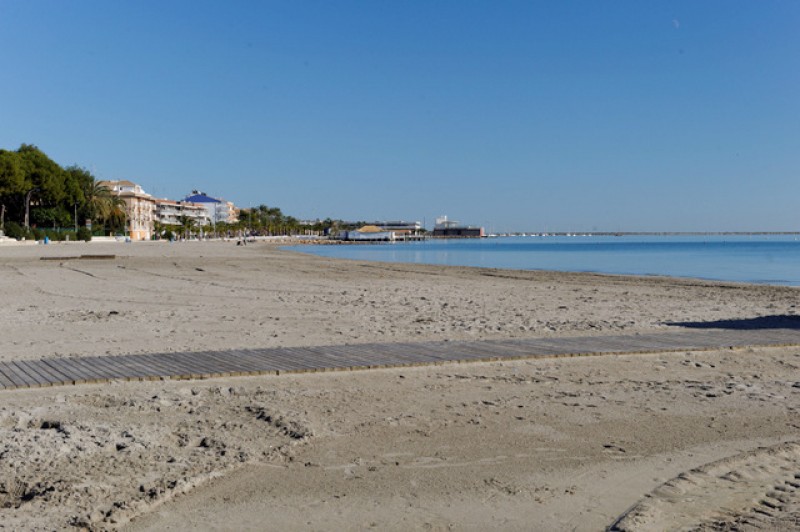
[279,360]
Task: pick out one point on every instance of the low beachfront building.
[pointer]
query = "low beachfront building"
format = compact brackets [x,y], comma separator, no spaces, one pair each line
[402,230]
[453,229]
[140,208]
[368,233]
[399,225]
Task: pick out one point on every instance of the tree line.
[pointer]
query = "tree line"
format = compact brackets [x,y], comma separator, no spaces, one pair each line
[270,221]
[38,197]
[36,194]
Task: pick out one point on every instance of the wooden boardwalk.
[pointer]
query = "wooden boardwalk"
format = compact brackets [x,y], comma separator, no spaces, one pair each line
[207,364]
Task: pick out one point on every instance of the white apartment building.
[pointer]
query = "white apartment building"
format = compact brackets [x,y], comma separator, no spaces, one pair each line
[169,212]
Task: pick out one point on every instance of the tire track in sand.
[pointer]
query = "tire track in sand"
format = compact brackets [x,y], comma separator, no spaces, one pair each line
[751,491]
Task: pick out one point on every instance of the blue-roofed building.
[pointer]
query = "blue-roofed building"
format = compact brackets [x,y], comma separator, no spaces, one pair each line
[219,210]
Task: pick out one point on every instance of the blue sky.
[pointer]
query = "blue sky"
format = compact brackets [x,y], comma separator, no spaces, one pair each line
[592,115]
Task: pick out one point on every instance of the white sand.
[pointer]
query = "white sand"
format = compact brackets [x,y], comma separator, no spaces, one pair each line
[548,444]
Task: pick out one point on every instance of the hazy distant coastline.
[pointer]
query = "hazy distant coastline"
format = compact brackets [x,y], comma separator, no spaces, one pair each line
[643,233]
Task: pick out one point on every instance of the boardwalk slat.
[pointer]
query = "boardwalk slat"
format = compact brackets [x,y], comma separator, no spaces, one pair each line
[199,361]
[164,365]
[219,365]
[412,352]
[247,363]
[177,366]
[379,354]
[85,369]
[122,366]
[465,351]
[185,366]
[340,357]
[147,367]
[110,366]
[261,358]
[91,373]
[103,367]
[80,370]
[195,363]
[57,366]
[353,358]
[37,379]
[56,377]
[292,358]
[252,358]
[281,358]
[4,378]
[231,362]
[358,355]
[20,378]
[369,356]
[343,356]
[36,370]
[132,367]
[153,365]
[127,368]
[227,361]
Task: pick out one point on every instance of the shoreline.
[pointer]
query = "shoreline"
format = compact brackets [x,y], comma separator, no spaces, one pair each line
[288,243]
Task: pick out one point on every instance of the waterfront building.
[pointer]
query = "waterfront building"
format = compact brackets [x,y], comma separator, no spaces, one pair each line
[139,207]
[170,212]
[217,209]
[230,213]
[368,233]
[453,229]
[143,210]
[402,230]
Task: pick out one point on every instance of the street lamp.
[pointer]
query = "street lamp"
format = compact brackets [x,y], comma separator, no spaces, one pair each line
[27,206]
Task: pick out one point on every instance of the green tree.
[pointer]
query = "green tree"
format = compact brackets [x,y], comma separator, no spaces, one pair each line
[12,175]
[42,174]
[98,200]
[117,217]
[158,229]
[54,217]
[74,178]
[12,185]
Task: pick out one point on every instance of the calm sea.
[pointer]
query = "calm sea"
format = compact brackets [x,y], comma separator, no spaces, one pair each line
[770,259]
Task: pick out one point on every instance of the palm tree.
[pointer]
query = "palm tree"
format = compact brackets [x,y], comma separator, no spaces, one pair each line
[158,228]
[186,223]
[117,214]
[99,200]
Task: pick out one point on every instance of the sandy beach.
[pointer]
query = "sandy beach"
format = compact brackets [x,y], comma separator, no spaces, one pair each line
[707,440]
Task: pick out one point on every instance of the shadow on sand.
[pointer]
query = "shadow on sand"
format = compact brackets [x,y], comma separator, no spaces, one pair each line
[762,322]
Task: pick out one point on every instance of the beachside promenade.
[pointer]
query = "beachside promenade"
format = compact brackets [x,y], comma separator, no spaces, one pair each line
[275,361]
